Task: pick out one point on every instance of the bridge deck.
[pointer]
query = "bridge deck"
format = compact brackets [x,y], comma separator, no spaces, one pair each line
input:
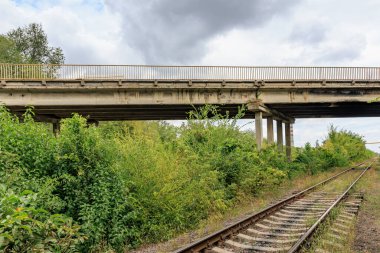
[168,92]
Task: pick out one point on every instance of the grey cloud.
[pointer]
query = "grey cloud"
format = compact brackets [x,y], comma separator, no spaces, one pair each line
[177,31]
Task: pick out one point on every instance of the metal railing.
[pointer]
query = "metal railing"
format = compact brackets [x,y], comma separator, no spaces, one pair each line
[145,72]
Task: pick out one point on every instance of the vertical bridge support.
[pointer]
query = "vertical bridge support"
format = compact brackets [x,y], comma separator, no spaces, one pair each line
[289,139]
[279,136]
[261,111]
[270,135]
[56,127]
[259,129]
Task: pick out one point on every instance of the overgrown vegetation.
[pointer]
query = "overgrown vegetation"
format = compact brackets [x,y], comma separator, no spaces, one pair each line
[125,183]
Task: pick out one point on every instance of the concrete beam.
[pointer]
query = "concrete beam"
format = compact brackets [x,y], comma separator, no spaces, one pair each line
[270,134]
[279,136]
[69,92]
[259,129]
[258,106]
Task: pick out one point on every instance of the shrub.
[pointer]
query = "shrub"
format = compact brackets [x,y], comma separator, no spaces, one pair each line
[26,228]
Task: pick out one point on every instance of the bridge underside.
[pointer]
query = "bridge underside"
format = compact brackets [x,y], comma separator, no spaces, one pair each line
[163,99]
[180,112]
[329,110]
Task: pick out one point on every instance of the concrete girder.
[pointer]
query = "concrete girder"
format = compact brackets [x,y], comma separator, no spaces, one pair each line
[258,106]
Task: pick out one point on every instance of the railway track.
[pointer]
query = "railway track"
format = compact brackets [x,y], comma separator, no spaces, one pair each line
[286,226]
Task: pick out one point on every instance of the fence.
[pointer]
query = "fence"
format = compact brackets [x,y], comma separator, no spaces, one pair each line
[142,72]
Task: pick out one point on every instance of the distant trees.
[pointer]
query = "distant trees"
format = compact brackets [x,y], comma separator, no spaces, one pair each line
[29,44]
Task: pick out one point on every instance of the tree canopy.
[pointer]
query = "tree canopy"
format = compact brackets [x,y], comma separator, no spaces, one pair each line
[8,51]
[29,44]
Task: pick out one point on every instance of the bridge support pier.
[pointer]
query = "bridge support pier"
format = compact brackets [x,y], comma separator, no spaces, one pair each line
[259,129]
[261,111]
[279,136]
[270,135]
[56,127]
[289,139]
[92,122]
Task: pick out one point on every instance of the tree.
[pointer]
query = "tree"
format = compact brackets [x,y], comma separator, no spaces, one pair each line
[32,43]
[8,51]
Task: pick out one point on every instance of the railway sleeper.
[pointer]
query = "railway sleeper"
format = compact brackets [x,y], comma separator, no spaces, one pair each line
[296,215]
[333,244]
[248,238]
[219,250]
[285,223]
[311,202]
[339,231]
[337,237]
[287,219]
[341,225]
[300,212]
[302,208]
[253,231]
[325,206]
[276,228]
[241,246]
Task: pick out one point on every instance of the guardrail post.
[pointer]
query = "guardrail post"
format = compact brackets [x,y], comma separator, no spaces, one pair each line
[279,135]
[270,135]
[259,129]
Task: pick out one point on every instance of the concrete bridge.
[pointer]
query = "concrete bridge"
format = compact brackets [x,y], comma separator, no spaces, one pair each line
[133,92]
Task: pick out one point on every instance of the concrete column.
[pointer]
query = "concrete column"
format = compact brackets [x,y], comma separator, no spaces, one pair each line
[259,129]
[56,128]
[92,122]
[270,135]
[288,140]
[291,135]
[279,136]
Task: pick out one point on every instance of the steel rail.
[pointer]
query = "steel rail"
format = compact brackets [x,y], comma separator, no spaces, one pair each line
[151,72]
[307,235]
[210,240]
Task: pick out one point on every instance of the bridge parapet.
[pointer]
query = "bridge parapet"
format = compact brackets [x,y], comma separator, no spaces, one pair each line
[150,72]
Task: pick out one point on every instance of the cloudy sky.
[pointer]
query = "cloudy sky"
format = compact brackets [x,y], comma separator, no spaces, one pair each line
[214,32]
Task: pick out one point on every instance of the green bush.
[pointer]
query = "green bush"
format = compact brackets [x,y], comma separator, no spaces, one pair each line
[121,184]
[26,228]
[340,148]
[174,190]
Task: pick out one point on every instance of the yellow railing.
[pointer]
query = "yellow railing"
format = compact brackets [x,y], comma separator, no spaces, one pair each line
[145,72]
